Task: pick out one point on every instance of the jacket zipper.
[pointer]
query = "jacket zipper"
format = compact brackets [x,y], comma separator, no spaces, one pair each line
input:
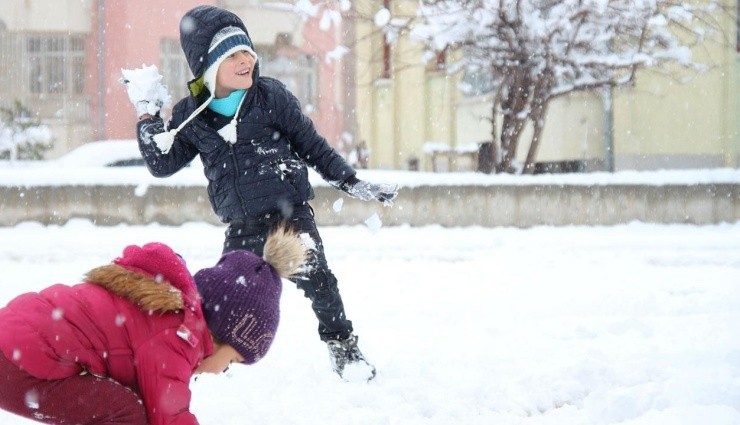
[242,201]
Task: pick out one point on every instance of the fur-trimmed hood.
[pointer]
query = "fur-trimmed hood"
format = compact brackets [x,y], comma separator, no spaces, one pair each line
[152,276]
[149,294]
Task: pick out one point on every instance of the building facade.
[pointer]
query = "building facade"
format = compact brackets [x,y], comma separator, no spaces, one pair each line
[63,61]
[407,105]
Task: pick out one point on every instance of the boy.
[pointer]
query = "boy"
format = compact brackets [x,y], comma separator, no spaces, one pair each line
[255,144]
[121,347]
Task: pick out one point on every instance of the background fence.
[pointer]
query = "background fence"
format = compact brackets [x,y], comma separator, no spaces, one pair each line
[464,205]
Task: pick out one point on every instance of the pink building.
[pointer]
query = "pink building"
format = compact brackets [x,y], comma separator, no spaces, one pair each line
[134,33]
[333,114]
[77,90]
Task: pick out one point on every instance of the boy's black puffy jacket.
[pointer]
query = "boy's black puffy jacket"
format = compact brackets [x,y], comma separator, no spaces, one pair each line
[265,170]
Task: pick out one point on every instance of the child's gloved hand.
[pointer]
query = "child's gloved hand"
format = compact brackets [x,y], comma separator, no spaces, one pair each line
[366,191]
[145,89]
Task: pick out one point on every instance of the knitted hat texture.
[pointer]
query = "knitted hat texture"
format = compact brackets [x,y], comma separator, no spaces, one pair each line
[241,302]
[157,261]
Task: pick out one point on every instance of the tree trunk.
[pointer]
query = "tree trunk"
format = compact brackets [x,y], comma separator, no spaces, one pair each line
[539,124]
[539,110]
[516,101]
[494,140]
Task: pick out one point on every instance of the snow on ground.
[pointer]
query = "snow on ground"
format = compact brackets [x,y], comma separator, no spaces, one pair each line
[632,325]
[85,165]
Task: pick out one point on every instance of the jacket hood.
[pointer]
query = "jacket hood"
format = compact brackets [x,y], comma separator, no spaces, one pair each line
[197,29]
[147,293]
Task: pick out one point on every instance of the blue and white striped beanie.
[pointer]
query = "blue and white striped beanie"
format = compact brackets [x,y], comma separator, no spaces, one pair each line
[227,41]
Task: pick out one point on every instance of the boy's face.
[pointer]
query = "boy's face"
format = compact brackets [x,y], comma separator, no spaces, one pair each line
[235,73]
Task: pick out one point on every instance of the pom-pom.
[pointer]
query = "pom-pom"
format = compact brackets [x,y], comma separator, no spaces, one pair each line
[228,132]
[165,140]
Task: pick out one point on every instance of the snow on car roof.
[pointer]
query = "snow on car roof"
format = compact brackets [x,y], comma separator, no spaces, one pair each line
[101,153]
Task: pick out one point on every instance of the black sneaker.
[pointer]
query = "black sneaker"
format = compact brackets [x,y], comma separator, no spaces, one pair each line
[348,362]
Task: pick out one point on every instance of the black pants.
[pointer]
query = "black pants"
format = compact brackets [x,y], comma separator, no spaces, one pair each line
[316,280]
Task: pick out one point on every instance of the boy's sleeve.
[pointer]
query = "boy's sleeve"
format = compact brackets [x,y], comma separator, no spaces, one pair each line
[158,163]
[306,141]
[164,369]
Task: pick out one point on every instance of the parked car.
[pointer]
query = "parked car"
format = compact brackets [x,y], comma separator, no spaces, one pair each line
[104,153]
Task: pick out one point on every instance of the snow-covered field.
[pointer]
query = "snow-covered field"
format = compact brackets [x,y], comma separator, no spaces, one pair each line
[633,324]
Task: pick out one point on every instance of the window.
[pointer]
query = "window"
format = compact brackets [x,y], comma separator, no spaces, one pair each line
[175,69]
[56,64]
[476,83]
[298,72]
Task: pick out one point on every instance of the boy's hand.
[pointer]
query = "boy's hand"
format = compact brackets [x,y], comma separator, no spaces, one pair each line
[366,191]
[145,89]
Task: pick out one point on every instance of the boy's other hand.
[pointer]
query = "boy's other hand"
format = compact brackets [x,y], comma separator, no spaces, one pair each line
[366,191]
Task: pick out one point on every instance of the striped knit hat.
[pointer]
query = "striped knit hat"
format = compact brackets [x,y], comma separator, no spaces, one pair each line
[225,42]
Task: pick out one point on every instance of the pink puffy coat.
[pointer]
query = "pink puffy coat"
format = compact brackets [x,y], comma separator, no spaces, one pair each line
[137,321]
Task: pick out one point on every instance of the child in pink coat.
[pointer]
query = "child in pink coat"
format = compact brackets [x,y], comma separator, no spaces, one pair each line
[121,347]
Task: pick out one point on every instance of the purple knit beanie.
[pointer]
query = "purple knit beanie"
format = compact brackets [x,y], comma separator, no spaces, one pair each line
[241,302]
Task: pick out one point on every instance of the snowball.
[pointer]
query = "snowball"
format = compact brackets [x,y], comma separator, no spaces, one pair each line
[187,25]
[307,8]
[337,206]
[145,85]
[308,242]
[32,399]
[141,189]
[382,17]
[373,223]
[345,5]
[357,372]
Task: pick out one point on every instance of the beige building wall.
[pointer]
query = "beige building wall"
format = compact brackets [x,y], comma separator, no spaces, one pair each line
[420,105]
[409,95]
[440,93]
[574,130]
[382,125]
[266,19]
[41,15]
[367,65]
[397,116]
[662,123]
[472,118]
[734,142]
[66,116]
[658,123]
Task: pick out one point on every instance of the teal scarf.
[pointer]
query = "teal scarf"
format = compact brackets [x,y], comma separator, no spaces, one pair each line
[227,105]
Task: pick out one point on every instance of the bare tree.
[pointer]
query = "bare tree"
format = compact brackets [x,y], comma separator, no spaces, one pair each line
[534,51]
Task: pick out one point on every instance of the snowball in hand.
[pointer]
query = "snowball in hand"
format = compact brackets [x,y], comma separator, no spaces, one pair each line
[144,85]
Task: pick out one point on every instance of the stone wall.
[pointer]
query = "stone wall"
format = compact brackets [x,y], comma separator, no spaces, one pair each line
[488,206]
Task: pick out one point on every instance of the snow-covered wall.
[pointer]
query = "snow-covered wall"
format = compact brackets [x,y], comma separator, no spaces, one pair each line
[516,205]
